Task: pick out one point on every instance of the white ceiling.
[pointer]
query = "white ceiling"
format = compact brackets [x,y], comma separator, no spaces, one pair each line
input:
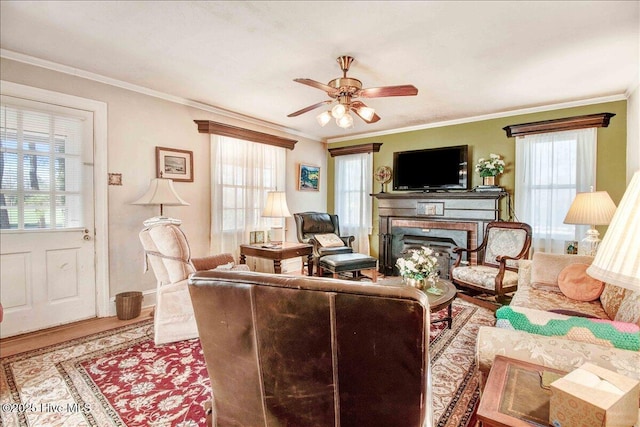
[467,59]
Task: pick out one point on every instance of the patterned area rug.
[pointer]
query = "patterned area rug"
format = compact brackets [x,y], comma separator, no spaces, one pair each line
[120,378]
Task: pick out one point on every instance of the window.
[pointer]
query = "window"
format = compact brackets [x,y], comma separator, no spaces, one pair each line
[353,187]
[242,172]
[41,167]
[550,169]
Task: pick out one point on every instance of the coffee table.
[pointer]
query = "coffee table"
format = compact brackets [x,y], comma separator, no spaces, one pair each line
[436,302]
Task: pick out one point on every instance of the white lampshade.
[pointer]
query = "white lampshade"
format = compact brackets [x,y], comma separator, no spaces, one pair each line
[161,192]
[618,259]
[366,113]
[593,208]
[324,118]
[345,122]
[276,205]
[338,111]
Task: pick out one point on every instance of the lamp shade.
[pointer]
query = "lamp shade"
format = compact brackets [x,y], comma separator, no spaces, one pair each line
[161,192]
[594,208]
[618,259]
[276,206]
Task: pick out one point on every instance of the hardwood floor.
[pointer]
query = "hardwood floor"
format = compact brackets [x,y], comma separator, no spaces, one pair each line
[46,337]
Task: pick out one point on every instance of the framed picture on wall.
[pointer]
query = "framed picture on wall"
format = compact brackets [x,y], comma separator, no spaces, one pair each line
[308,178]
[174,164]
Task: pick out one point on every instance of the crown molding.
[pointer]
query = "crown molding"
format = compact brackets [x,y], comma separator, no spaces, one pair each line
[500,115]
[54,66]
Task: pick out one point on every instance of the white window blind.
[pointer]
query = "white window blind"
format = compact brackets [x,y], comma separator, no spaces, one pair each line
[41,173]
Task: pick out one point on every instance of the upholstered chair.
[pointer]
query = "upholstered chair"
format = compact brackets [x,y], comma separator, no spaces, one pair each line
[309,351]
[503,245]
[311,224]
[167,250]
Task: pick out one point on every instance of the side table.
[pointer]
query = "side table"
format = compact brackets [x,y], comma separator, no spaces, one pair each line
[516,394]
[278,253]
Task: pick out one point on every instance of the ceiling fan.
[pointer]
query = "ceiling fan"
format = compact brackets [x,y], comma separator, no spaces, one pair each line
[345,91]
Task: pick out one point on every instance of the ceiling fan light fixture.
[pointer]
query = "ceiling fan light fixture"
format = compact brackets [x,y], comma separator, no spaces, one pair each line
[324,118]
[366,113]
[345,122]
[338,111]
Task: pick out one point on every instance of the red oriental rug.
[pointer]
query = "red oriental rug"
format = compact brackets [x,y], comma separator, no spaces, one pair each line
[121,378]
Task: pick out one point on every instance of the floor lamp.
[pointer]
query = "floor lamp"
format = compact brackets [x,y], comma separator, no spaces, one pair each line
[161,192]
[618,259]
[276,207]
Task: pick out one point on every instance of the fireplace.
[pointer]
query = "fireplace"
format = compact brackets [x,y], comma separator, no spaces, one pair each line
[440,221]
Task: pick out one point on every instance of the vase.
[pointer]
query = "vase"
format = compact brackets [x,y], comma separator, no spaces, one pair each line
[414,283]
[489,180]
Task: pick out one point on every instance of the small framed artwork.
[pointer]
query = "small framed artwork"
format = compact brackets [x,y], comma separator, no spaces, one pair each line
[174,164]
[571,247]
[308,178]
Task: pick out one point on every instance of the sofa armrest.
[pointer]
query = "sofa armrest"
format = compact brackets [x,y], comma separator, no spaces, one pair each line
[551,352]
[211,262]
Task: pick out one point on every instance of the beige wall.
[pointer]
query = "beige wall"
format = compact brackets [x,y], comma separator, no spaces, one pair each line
[487,136]
[137,123]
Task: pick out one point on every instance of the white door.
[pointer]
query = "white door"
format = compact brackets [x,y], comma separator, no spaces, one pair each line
[47,251]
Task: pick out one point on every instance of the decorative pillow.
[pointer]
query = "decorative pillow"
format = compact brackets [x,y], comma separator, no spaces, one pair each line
[575,283]
[629,308]
[329,240]
[227,266]
[611,299]
[606,333]
[545,268]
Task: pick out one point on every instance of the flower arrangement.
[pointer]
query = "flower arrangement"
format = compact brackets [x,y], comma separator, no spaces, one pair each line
[418,264]
[493,166]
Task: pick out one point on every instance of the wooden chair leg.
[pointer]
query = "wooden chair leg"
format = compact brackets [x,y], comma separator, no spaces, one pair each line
[335,275]
[374,275]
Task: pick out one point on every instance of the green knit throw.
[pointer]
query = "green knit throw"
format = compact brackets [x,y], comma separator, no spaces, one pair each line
[603,330]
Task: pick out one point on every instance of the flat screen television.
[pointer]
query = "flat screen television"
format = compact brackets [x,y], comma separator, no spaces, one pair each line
[431,169]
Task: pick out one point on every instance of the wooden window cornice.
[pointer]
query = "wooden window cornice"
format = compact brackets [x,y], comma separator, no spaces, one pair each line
[557,125]
[355,149]
[211,127]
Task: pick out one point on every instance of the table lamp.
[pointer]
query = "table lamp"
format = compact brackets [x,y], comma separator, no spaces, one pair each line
[618,259]
[161,192]
[276,207]
[593,208]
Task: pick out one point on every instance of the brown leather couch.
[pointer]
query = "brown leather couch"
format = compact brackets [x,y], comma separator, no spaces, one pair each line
[297,351]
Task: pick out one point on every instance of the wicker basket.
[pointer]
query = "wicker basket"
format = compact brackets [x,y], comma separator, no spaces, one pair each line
[128,305]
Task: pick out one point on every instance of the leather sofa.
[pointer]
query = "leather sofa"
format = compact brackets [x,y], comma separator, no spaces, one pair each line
[309,351]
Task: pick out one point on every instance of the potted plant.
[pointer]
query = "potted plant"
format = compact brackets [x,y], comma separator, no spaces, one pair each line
[419,266]
[490,168]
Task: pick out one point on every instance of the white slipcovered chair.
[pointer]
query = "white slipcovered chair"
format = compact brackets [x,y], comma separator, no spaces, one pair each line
[167,250]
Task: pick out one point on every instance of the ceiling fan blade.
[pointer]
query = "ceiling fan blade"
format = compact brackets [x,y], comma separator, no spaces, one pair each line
[309,108]
[379,92]
[356,105]
[330,91]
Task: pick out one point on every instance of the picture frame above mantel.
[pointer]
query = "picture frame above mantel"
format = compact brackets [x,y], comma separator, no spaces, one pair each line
[557,125]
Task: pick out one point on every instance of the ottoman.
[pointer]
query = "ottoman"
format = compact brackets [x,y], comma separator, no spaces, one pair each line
[348,262]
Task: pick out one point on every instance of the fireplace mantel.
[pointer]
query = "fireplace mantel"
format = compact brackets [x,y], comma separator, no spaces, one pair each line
[457,217]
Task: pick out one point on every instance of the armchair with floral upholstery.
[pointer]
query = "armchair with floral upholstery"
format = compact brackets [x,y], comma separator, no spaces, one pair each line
[497,270]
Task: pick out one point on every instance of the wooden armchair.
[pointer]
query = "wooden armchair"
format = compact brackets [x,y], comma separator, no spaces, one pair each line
[496,273]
